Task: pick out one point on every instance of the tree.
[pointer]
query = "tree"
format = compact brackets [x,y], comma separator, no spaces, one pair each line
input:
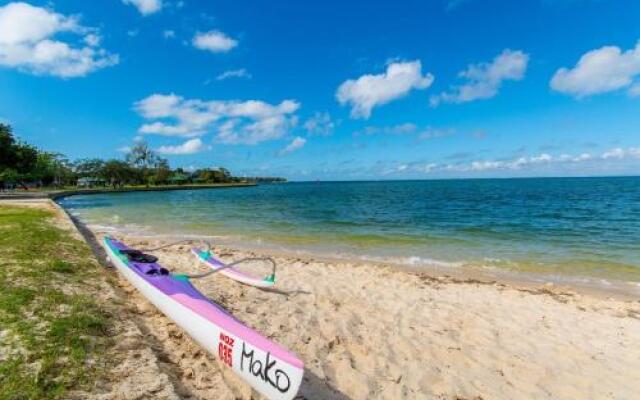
[89,167]
[17,157]
[226,175]
[142,156]
[119,172]
[14,154]
[52,168]
[21,162]
[162,171]
[7,141]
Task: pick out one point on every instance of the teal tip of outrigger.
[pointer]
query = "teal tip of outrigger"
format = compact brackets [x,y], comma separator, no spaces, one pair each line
[271,278]
[181,277]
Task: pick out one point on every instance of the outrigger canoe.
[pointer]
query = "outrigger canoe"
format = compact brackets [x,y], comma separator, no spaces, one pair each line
[234,273]
[266,366]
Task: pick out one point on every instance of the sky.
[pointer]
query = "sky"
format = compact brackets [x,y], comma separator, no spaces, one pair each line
[331,90]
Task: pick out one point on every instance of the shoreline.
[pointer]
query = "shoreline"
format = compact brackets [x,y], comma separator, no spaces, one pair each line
[279,228]
[376,331]
[592,285]
[59,194]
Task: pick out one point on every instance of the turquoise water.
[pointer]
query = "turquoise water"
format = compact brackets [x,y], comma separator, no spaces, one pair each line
[563,226]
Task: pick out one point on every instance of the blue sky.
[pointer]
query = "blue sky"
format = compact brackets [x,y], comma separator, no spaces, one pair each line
[332,89]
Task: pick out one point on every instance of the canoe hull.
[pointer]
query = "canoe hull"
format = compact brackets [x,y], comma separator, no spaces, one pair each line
[264,370]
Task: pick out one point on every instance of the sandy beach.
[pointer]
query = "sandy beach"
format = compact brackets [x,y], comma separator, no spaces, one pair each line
[369,331]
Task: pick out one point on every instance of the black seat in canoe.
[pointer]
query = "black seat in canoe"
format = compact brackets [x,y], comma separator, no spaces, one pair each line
[139,257]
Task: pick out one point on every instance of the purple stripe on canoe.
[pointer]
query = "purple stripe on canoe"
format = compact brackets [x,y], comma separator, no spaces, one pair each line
[186,294]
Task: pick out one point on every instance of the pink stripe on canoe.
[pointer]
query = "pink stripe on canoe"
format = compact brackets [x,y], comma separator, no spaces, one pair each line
[224,321]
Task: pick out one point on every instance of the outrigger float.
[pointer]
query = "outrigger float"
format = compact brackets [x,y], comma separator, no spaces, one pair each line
[228,270]
[266,366]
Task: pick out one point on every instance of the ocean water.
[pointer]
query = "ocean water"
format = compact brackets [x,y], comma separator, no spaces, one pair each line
[565,227]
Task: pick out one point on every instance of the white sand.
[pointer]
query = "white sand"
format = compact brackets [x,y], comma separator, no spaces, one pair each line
[366,331]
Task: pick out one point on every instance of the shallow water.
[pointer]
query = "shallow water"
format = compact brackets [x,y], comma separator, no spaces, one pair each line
[582,227]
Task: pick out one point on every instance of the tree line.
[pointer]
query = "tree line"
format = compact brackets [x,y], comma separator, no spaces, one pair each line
[23,165]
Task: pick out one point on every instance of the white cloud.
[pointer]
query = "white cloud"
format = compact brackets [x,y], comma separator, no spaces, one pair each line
[214,41]
[400,129]
[617,153]
[320,124]
[26,43]
[407,129]
[234,73]
[485,79]
[189,147]
[146,7]
[295,144]
[434,133]
[598,71]
[370,91]
[92,40]
[235,122]
[608,160]
[169,34]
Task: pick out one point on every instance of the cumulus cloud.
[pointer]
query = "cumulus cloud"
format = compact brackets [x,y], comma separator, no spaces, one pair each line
[608,159]
[92,40]
[191,146]
[517,163]
[369,91]
[169,34]
[320,124]
[297,143]
[620,154]
[234,122]
[485,79]
[146,7]
[598,71]
[234,73]
[214,41]
[27,43]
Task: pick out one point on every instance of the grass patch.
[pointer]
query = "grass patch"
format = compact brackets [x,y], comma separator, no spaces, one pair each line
[55,332]
[62,267]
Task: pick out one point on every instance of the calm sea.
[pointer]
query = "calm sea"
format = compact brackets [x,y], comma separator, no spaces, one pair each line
[576,227]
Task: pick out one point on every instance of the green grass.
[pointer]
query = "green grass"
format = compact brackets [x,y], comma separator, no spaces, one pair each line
[53,332]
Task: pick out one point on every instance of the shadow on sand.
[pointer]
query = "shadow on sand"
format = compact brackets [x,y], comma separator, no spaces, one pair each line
[314,388]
